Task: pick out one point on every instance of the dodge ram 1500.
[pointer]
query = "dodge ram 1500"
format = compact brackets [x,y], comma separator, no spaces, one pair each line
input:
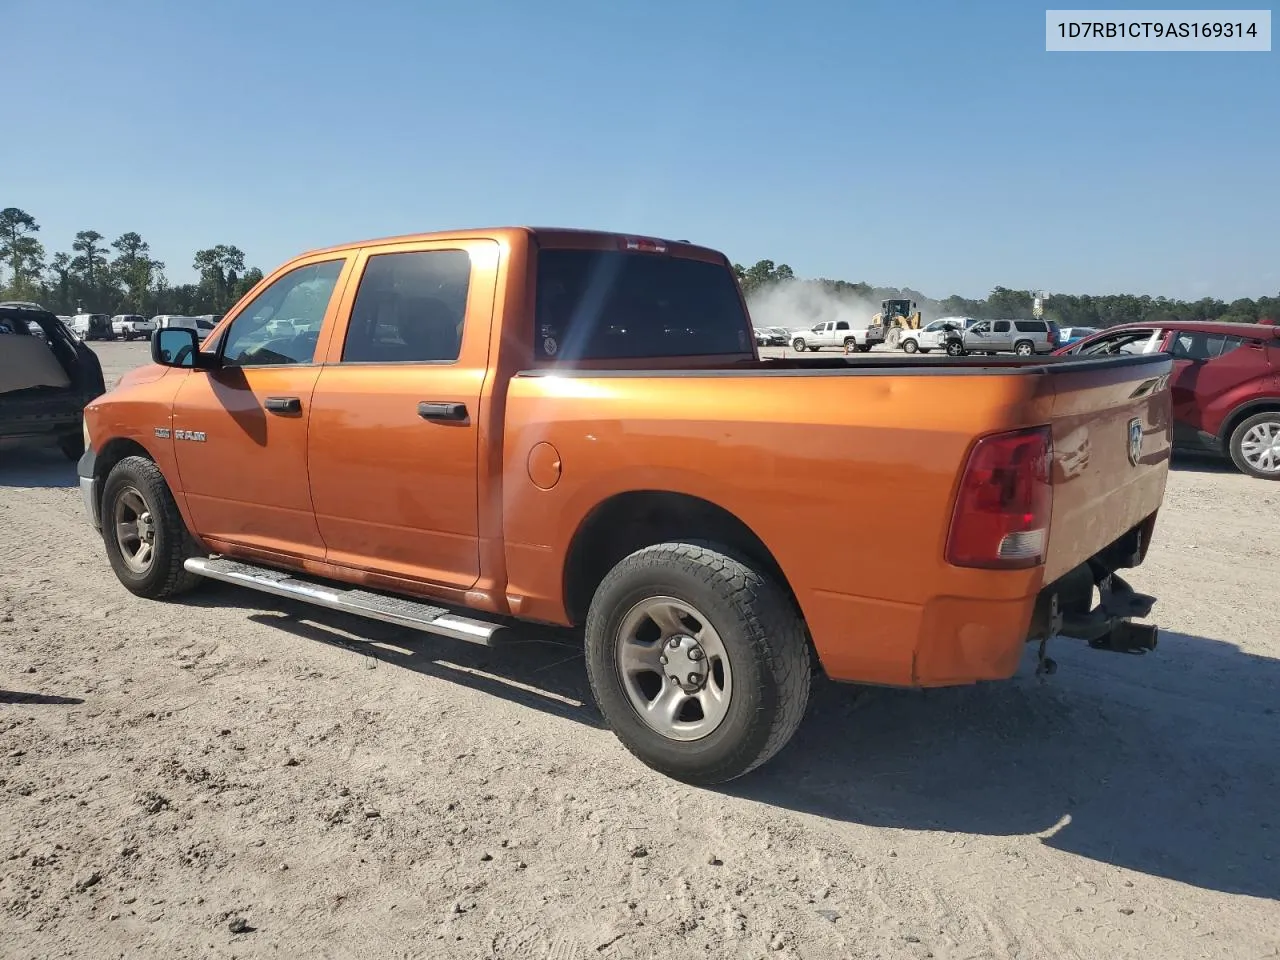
[458,432]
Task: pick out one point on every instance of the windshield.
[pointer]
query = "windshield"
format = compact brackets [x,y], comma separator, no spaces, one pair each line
[612,305]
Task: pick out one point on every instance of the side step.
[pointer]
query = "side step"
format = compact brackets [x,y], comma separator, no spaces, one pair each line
[401,611]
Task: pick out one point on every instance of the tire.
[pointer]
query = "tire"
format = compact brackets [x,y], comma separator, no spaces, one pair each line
[753,640]
[134,481]
[850,342]
[925,349]
[1255,445]
[798,345]
[910,346]
[813,349]
[1024,348]
[955,348]
[864,348]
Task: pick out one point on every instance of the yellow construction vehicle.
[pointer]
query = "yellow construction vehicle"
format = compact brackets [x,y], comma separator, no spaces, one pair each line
[896,316]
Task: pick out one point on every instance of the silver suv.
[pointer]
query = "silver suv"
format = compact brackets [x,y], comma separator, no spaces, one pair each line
[1023,337]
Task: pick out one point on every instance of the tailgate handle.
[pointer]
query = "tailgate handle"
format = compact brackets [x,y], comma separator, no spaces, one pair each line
[452,412]
[283,404]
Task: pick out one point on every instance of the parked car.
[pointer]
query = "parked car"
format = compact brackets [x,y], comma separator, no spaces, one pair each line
[469,430]
[92,326]
[1225,385]
[1071,335]
[772,336]
[166,321]
[45,380]
[128,326]
[1023,337]
[936,335]
[836,333]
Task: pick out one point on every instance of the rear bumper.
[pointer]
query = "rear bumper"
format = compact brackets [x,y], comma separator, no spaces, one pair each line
[951,641]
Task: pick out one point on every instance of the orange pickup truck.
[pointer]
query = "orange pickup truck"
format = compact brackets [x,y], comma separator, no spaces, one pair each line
[459,432]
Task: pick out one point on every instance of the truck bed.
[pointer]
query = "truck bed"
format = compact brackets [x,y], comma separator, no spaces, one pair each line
[846,469]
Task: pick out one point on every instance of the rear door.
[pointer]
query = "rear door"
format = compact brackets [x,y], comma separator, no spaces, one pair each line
[1001,335]
[1207,366]
[240,432]
[395,442]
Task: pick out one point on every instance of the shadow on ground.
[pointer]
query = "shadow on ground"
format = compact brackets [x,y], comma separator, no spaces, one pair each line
[1164,764]
[541,668]
[18,696]
[1201,463]
[35,466]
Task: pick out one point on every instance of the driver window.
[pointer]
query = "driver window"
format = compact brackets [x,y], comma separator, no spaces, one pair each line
[982,327]
[282,324]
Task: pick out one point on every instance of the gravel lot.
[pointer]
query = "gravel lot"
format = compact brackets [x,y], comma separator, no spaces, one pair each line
[234,776]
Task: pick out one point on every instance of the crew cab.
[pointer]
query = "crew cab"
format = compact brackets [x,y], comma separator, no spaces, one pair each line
[46,379]
[836,333]
[464,431]
[1225,385]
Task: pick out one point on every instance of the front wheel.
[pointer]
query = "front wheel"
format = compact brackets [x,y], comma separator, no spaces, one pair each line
[698,662]
[146,539]
[1255,446]
[910,346]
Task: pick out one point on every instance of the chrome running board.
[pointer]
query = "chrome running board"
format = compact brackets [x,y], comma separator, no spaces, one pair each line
[400,611]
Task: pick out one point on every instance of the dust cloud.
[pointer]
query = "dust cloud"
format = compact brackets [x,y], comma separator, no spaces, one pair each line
[800,304]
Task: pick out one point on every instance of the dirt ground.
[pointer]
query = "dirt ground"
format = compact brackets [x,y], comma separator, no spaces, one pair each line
[232,776]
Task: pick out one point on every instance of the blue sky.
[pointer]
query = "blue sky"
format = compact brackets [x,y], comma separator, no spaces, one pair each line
[930,144]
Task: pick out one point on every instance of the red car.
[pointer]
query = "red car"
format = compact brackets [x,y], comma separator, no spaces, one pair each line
[1225,386]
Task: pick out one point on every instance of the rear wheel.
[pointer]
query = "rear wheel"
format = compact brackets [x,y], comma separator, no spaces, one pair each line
[850,343]
[1255,445]
[925,349]
[145,537]
[955,348]
[1024,348]
[698,662]
[910,346]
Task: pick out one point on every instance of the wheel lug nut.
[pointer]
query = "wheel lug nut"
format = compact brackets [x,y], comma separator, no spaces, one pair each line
[673,643]
[695,653]
[662,660]
[695,678]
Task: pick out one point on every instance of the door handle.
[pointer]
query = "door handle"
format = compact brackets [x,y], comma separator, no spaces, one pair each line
[452,412]
[283,404]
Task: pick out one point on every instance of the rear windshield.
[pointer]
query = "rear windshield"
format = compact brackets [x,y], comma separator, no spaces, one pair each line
[614,305]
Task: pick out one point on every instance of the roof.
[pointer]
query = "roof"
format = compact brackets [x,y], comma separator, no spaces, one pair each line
[1260,330]
[547,236]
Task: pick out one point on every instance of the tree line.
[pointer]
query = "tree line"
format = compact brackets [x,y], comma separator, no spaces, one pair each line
[1069,310]
[121,276]
[117,276]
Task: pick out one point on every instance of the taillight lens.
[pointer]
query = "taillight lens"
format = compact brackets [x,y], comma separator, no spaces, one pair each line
[1001,519]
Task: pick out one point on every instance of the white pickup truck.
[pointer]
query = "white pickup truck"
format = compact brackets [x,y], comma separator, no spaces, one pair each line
[836,333]
[126,326]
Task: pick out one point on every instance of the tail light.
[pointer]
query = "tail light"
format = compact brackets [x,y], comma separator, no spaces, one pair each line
[1001,519]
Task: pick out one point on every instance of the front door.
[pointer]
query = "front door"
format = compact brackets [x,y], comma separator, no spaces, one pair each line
[395,435]
[240,431]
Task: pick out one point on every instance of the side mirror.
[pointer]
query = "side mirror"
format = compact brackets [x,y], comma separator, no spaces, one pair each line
[175,347]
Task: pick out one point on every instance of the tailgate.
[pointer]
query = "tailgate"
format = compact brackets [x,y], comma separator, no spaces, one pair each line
[1111,423]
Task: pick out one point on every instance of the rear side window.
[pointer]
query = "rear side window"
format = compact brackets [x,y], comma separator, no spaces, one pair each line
[614,305]
[1193,345]
[1029,326]
[410,308]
